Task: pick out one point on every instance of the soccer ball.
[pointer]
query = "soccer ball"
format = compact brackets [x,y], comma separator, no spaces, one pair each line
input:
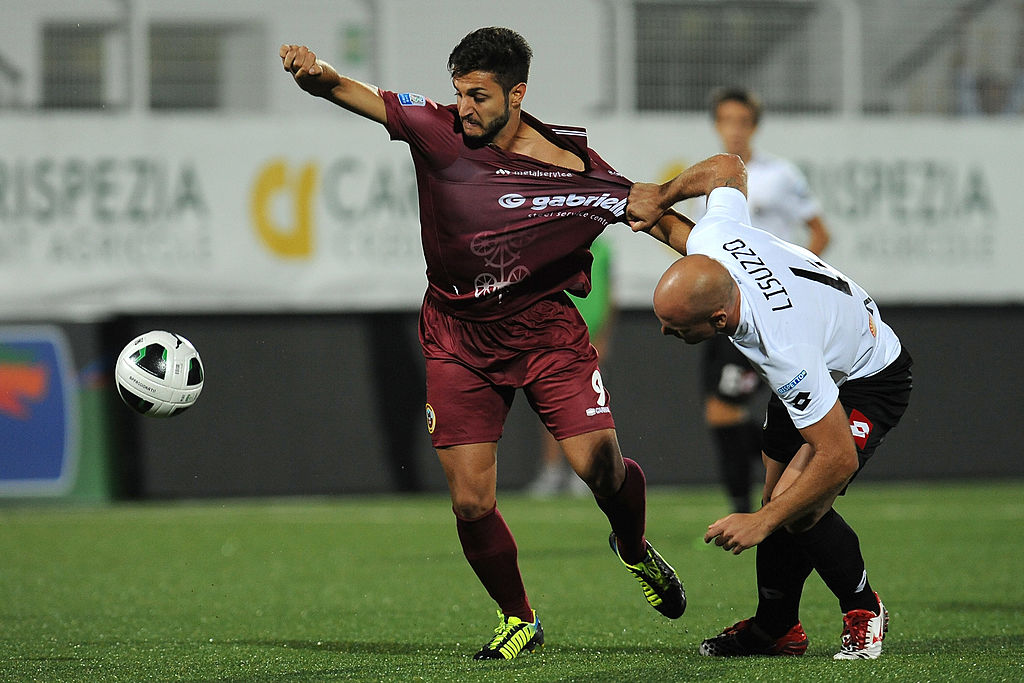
[159,374]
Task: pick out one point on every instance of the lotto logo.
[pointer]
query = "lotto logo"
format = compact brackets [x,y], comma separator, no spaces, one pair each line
[801,400]
[860,427]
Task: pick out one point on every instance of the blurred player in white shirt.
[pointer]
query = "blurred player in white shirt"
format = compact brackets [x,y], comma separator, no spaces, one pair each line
[780,202]
[777,193]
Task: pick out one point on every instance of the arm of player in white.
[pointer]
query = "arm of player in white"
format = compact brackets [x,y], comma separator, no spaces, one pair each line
[648,202]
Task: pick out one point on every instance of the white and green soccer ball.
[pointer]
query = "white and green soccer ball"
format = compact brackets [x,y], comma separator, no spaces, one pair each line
[159,374]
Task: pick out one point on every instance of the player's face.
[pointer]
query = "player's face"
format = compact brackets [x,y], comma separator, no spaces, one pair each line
[692,331]
[734,123]
[483,105]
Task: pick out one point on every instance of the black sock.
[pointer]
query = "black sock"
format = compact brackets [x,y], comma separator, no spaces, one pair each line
[627,513]
[739,447]
[834,550]
[782,569]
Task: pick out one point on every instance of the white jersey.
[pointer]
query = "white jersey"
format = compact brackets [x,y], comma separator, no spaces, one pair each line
[778,197]
[804,326]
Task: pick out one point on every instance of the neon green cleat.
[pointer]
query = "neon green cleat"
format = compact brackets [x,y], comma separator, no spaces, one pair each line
[662,587]
[512,636]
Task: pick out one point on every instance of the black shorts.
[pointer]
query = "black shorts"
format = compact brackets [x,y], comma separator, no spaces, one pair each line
[727,374]
[874,405]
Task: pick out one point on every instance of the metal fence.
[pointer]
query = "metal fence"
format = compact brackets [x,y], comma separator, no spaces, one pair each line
[834,56]
[855,57]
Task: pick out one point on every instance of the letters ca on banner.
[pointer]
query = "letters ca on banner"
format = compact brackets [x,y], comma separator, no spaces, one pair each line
[352,211]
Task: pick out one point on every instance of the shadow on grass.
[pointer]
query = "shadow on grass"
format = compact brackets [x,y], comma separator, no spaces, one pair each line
[896,646]
[396,648]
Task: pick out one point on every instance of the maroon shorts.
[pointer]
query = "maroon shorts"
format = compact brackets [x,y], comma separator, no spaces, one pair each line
[474,369]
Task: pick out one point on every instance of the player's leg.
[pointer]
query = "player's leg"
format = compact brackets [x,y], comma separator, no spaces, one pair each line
[832,547]
[465,416]
[736,445]
[559,375]
[781,570]
[620,489]
[489,547]
[781,567]
[874,406]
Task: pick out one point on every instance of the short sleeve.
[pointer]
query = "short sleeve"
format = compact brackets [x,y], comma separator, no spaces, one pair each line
[727,208]
[428,128]
[803,383]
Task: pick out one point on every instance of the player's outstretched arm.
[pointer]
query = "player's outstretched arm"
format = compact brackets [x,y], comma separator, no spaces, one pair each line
[673,229]
[648,203]
[320,79]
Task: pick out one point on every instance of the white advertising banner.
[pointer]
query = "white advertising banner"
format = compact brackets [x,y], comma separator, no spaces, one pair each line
[224,215]
[120,215]
[919,211]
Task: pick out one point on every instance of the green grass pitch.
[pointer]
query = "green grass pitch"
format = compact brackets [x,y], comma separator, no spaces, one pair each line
[376,589]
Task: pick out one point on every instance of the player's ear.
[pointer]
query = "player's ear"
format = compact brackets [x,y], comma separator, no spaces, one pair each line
[719,319]
[516,95]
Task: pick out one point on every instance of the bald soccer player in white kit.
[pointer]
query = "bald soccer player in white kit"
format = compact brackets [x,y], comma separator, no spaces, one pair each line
[840,380]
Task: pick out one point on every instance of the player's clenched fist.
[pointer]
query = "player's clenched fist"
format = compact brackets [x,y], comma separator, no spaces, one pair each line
[313,76]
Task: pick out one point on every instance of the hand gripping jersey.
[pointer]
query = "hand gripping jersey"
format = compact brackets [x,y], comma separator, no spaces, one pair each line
[805,326]
[501,231]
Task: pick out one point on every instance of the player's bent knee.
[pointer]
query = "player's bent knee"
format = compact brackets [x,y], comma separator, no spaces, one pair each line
[807,522]
[472,507]
[605,482]
[471,513]
[596,458]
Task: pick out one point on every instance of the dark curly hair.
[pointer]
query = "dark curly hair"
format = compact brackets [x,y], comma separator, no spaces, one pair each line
[496,50]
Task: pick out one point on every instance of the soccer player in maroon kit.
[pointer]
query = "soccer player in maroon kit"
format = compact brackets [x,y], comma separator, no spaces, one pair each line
[508,209]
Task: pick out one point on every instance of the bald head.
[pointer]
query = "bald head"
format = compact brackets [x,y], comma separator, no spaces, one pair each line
[695,298]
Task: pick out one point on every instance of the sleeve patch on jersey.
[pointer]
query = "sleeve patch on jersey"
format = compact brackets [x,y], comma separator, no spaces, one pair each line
[860,427]
[801,401]
[411,99]
[788,386]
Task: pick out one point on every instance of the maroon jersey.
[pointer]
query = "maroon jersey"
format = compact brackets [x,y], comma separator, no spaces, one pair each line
[500,230]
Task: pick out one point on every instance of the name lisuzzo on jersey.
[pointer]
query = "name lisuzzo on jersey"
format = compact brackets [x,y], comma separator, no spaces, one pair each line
[770,286]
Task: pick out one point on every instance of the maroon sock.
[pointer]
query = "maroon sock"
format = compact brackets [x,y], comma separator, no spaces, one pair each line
[491,551]
[627,512]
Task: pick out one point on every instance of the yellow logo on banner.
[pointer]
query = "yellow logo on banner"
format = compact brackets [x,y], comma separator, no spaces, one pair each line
[294,240]
[671,170]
